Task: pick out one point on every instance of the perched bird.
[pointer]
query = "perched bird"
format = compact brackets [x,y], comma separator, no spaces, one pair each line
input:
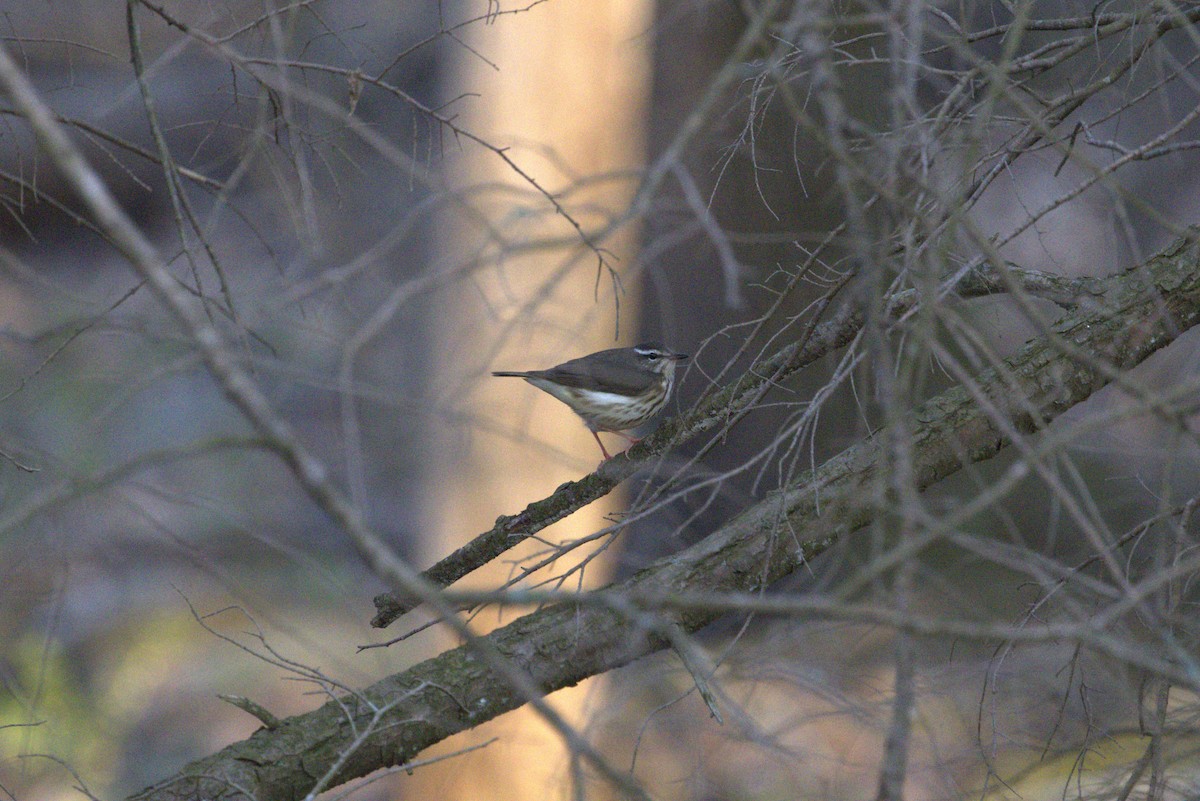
[612,390]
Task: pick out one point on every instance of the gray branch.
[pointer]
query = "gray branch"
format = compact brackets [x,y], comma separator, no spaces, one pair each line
[1126,318]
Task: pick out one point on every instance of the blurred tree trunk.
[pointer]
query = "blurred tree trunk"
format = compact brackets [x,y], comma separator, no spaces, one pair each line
[564,86]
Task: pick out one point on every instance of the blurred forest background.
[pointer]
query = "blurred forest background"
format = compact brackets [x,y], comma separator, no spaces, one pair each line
[370,206]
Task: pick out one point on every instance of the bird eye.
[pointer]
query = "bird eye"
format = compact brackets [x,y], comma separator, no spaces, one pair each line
[650,353]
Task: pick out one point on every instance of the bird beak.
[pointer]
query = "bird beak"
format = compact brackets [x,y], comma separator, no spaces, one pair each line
[678,357]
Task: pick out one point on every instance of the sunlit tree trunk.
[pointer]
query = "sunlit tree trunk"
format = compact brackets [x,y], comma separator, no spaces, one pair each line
[563,87]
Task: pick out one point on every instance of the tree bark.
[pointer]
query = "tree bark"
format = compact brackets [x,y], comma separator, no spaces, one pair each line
[1122,320]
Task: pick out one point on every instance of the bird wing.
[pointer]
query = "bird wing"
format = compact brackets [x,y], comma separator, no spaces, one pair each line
[617,378]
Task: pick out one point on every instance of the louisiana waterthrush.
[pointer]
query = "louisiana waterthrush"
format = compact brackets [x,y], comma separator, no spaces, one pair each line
[612,390]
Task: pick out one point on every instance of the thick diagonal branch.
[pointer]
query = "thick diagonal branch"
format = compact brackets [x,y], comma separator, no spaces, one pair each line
[718,409]
[1130,316]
